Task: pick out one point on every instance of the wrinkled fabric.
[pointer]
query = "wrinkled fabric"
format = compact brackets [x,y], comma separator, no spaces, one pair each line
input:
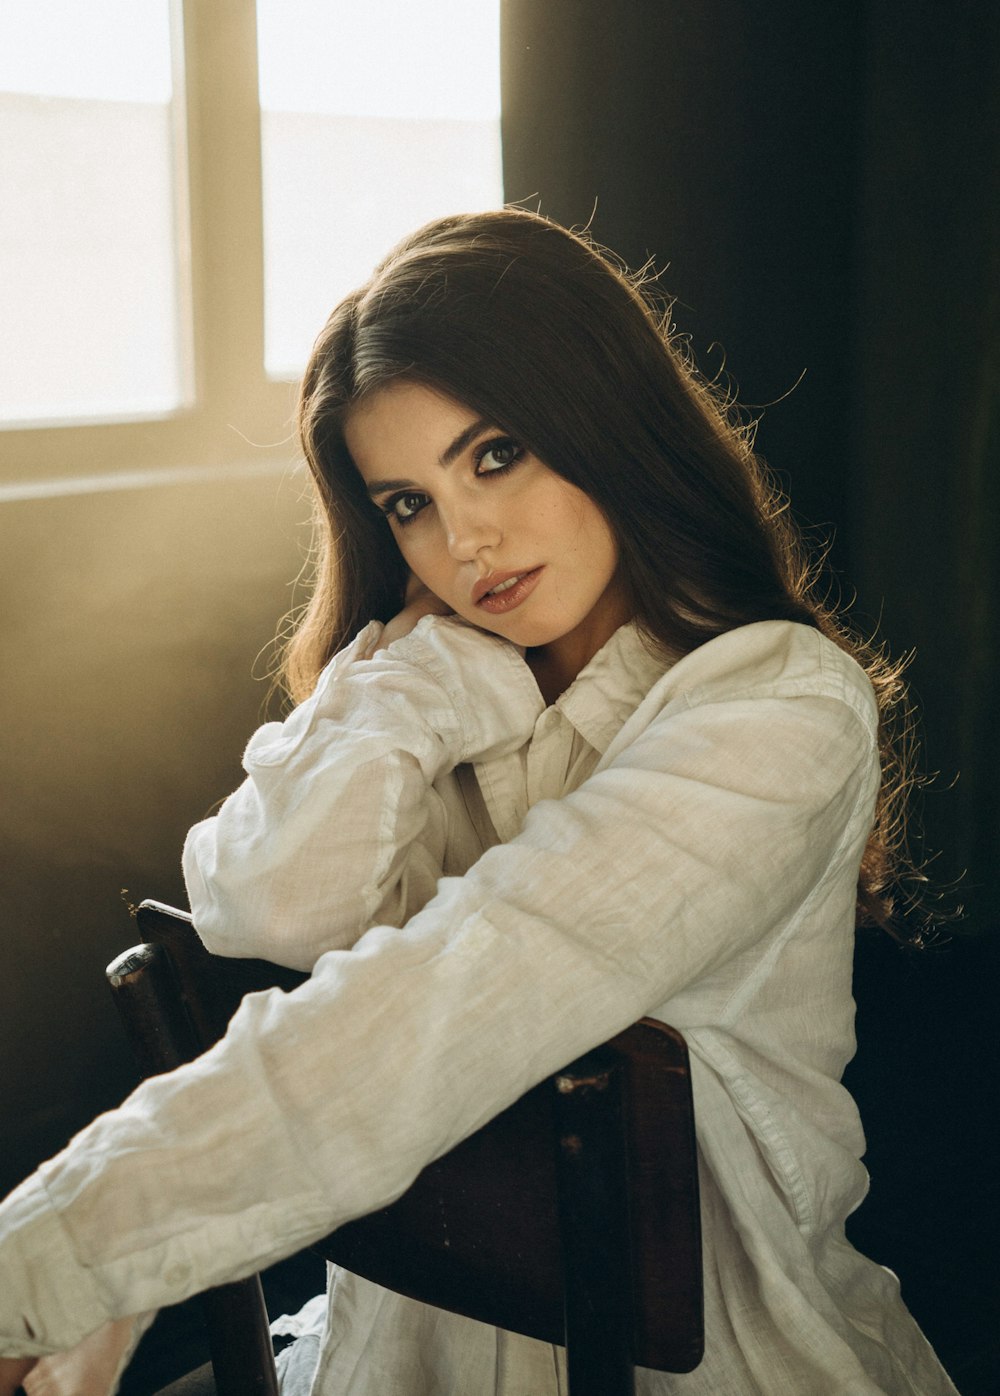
[483,888]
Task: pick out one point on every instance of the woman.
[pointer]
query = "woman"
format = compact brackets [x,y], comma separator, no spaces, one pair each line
[576,742]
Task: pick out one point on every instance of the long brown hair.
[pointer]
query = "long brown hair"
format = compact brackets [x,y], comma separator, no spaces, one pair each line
[546,335]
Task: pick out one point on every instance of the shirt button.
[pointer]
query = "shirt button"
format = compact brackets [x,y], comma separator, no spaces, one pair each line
[176,1274]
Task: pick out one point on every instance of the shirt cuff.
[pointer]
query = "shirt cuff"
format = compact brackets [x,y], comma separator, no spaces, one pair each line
[490,687]
[48,1301]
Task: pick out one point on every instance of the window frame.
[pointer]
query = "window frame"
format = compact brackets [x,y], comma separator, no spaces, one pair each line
[233,414]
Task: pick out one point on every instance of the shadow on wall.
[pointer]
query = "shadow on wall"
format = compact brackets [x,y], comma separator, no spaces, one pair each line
[134,623]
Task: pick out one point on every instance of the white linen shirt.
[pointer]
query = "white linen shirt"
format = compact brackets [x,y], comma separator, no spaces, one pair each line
[483,888]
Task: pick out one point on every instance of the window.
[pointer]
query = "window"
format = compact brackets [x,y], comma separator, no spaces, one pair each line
[375,115]
[90,296]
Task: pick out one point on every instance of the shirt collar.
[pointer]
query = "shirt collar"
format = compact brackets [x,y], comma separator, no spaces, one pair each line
[608,689]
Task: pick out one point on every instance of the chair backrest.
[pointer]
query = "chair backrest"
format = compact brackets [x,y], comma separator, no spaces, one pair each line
[571,1217]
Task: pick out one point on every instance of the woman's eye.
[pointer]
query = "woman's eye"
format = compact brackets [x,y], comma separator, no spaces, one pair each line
[404,507]
[498,455]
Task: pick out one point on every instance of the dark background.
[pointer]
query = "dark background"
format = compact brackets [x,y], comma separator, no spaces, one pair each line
[819,186]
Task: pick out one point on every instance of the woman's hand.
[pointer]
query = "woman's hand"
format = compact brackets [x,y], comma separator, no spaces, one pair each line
[13,1370]
[417,603]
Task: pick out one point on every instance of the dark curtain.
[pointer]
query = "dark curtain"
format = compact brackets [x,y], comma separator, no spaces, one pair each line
[819,186]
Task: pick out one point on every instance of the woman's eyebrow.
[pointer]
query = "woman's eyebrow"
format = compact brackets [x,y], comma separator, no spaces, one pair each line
[375,487]
[464,439]
[450,453]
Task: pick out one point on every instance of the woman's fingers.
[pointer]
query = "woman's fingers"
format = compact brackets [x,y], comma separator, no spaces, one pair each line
[418,602]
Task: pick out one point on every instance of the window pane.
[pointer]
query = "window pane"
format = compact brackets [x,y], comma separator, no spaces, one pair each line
[88,244]
[377,115]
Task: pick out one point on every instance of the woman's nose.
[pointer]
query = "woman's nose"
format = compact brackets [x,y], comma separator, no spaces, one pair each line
[471,526]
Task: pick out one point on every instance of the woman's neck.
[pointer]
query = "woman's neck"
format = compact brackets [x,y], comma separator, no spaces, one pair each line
[557,664]
[551,677]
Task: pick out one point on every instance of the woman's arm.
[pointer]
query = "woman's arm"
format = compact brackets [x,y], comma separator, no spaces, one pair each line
[337,826]
[705,834]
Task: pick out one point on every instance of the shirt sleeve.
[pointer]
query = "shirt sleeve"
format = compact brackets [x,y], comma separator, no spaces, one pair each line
[709,831]
[33,1241]
[337,826]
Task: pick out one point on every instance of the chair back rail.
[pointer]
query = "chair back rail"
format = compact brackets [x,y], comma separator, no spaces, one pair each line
[478,1233]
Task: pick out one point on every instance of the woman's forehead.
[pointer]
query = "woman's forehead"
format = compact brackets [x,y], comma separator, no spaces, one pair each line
[407,420]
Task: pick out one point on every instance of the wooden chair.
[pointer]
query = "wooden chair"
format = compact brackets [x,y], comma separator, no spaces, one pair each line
[571,1217]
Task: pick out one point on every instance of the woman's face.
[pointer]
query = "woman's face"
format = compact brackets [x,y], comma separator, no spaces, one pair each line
[487,527]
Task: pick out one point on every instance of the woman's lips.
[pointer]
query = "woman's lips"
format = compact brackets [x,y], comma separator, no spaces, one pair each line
[514,588]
